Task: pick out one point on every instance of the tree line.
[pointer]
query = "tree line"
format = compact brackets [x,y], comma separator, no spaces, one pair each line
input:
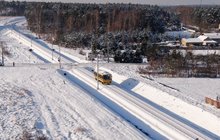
[177,63]
[13,8]
[105,27]
[205,17]
[112,27]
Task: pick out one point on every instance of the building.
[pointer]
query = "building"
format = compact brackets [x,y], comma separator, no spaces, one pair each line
[207,39]
[213,36]
[168,44]
[189,42]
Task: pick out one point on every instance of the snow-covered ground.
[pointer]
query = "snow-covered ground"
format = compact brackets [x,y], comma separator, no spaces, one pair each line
[37,99]
[186,102]
[49,103]
[190,90]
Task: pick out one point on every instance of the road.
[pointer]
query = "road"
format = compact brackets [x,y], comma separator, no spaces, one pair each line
[167,126]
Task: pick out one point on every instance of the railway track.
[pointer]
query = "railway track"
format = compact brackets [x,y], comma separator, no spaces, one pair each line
[165,124]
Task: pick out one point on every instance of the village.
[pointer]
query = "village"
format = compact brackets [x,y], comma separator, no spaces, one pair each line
[191,38]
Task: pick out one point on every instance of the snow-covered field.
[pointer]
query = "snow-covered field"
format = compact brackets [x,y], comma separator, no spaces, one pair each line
[190,90]
[36,97]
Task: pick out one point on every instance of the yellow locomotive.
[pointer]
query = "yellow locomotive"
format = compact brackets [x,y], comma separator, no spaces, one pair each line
[103,76]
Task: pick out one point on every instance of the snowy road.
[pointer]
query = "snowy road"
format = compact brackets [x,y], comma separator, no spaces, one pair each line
[143,115]
[43,51]
[40,48]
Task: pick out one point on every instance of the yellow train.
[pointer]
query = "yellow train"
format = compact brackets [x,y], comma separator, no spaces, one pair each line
[104,77]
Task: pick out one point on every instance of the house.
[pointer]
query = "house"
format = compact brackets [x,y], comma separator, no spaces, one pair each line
[213,36]
[202,40]
[207,41]
[191,42]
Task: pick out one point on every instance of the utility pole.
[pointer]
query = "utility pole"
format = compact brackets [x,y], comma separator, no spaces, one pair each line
[2,54]
[59,59]
[97,72]
[31,42]
[217,69]
[30,50]
[52,49]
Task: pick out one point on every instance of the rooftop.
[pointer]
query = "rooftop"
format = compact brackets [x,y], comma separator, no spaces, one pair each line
[202,37]
[212,35]
[193,40]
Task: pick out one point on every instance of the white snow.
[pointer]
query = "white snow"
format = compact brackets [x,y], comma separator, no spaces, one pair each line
[39,94]
[190,112]
[38,98]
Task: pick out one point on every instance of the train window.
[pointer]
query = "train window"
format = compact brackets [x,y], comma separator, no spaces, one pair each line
[106,77]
